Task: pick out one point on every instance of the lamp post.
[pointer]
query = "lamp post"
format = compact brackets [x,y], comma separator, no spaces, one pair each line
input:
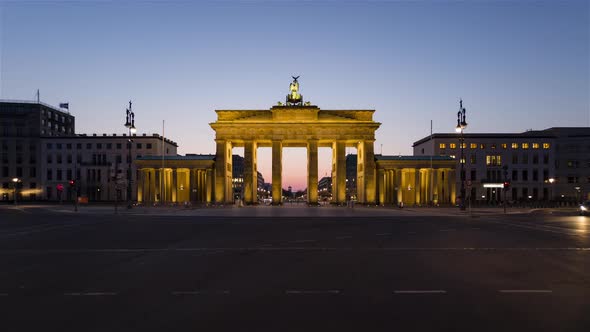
[461,125]
[15,181]
[550,180]
[130,125]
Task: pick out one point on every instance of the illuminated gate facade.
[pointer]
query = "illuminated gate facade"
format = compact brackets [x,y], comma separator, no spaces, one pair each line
[295,126]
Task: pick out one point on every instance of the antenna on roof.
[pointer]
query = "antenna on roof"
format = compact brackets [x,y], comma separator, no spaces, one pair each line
[38,96]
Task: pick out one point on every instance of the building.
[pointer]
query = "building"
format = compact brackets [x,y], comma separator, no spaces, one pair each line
[98,162]
[325,187]
[39,147]
[23,126]
[238,177]
[550,164]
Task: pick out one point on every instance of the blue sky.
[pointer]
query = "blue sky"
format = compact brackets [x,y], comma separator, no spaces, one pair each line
[517,65]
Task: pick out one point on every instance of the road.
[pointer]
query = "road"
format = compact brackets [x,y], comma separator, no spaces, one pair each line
[338,271]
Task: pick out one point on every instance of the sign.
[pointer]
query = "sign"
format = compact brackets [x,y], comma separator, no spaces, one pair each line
[493,185]
[60,187]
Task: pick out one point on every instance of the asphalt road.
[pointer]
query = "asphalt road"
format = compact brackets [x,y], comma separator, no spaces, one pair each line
[100,272]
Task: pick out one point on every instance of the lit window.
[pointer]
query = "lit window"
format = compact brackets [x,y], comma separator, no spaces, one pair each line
[473,145]
[493,160]
[482,146]
[504,146]
[452,156]
[463,146]
[453,146]
[546,145]
[535,145]
[525,145]
[442,145]
[493,146]
[515,145]
[463,160]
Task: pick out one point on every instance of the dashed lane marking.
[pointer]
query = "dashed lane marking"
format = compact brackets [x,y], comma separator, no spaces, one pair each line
[91,294]
[202,292]
[312,292]
[527,291]
[302,241]
[432,291]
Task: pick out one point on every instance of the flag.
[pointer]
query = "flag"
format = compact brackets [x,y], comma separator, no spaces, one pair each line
[65,105]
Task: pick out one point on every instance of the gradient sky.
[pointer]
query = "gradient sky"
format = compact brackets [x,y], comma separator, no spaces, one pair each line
[517,65]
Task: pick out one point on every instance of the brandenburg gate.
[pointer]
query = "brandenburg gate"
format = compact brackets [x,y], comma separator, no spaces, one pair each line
[379,179]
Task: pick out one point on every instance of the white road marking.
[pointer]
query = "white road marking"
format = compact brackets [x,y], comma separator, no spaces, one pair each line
[312,292]
[383,234]
[525,291]
[236,249]
[202,292]
[91,294]
[434,291]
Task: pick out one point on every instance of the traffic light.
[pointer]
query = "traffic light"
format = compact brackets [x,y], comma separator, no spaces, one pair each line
[72,183]
[506,185]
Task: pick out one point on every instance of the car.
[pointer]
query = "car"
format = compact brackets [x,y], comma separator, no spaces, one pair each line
[585,208]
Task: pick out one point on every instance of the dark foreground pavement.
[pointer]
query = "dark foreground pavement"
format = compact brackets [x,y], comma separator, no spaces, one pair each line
[65,272]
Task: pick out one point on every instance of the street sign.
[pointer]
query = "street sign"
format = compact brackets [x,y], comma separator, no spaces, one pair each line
[60,187]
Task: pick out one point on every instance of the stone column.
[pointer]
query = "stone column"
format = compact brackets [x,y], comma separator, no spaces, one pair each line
[370,172]
[312,172]
[435,185]
[381,186]
[174,184]
[339,178]
[250,173]
[209,181]
[223,172]
[417,185]
[391,185]
[453,184]
[151,182]
[398,185]
[277,170]
[141,185]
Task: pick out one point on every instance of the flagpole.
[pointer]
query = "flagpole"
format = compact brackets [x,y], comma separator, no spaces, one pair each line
[162,190]
[431,169]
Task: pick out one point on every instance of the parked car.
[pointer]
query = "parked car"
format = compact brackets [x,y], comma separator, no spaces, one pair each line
[585,208]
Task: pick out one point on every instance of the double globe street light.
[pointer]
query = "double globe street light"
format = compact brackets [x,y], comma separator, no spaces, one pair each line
[461,125]
[130,125]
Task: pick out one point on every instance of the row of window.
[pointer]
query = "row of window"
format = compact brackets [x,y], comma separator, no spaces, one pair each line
[97,159]
[99,146]
[494,145]
[19,172]
[496,160]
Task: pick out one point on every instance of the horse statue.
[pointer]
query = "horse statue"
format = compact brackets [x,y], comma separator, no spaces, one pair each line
[294,98]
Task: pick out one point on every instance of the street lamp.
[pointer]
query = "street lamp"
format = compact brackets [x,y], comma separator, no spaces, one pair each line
[550,180]
[130,125]
[461,125]
[15,181]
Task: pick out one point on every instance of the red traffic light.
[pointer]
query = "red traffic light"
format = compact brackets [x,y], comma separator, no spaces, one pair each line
[72,183]
[60,187]
[506,184]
